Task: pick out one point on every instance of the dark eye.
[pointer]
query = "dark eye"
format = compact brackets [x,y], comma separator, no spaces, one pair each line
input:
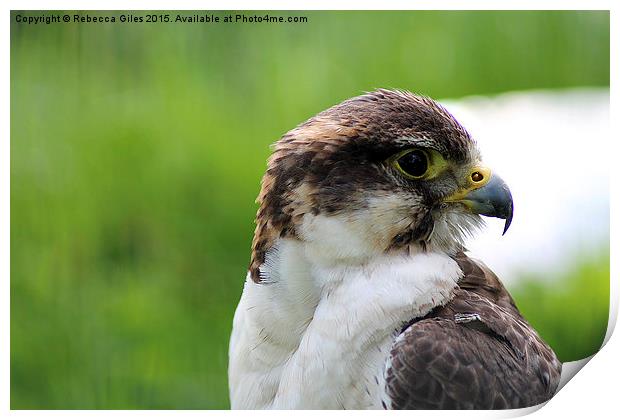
[413,163]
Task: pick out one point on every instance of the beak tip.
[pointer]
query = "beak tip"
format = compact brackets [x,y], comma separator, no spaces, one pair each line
[506,226]
[508,219]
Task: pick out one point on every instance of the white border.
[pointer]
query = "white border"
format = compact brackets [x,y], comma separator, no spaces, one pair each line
[312,5]
[595,390]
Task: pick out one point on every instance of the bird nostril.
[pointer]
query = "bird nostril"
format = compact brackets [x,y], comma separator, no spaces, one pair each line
[477,176]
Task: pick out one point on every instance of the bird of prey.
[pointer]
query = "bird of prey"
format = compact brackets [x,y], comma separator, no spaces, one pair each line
[360,293]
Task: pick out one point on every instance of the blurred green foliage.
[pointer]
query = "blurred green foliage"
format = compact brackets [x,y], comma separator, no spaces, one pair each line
[136,155]
[572,310]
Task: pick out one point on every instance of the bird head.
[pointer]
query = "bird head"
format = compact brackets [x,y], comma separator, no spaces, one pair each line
[388,171]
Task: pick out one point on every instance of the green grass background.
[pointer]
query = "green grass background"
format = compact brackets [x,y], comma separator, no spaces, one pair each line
[136,155]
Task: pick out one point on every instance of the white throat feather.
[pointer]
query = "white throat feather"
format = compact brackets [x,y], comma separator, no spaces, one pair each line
[305,335]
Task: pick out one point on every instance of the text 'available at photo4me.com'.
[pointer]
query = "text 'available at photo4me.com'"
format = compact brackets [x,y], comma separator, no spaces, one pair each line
[136,18]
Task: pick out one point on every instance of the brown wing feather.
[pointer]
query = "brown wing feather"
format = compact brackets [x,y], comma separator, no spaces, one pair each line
[476,352]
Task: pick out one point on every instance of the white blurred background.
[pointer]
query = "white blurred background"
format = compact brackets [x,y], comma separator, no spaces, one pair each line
[552,149]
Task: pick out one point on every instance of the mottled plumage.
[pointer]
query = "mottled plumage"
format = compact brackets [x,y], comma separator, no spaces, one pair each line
[475,352]
[340,153]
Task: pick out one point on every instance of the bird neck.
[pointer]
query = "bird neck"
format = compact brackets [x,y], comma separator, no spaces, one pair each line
[344,314]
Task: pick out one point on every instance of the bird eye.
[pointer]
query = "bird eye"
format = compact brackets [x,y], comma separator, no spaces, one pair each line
[413,163]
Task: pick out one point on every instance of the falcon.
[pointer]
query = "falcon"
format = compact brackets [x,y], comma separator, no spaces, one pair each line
[360,293]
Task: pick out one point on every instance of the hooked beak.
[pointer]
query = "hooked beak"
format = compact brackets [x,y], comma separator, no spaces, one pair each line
[492,199]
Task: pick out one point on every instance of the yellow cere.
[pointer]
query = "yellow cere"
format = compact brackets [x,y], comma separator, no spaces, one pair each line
[477,177]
